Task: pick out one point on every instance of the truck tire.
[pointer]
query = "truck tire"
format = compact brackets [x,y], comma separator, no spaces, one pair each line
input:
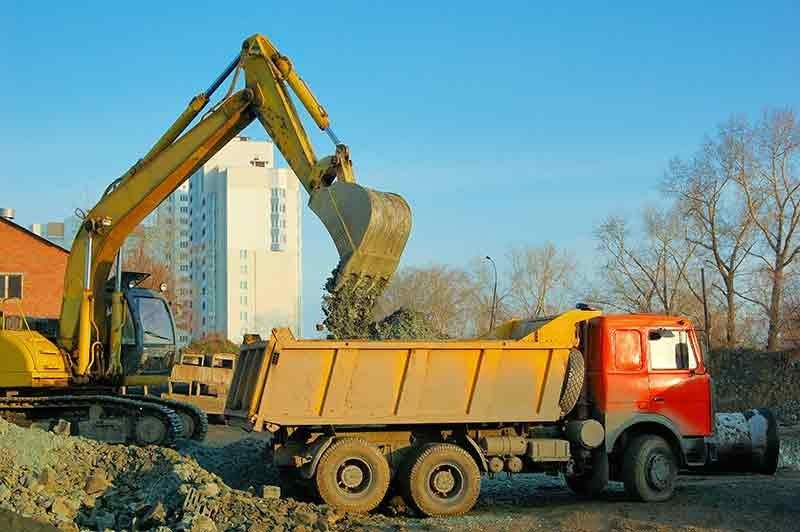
[443,480]
[573,382]
[592,481]
[649,469]
[352,476]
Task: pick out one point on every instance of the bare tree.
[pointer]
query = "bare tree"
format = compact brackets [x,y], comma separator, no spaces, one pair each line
[481,297]
[137,257]
[771,186]
[653,275]
[542,279]
[718,223]
[444,294]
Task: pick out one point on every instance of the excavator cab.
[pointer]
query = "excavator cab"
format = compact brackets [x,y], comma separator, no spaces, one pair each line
[148,331]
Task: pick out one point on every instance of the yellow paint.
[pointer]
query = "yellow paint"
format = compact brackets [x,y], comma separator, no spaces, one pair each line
[369,228]
[31,360]
[401,382]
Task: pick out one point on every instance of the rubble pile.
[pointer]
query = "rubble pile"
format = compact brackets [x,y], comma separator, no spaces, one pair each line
[745,379]
[349,313]
[78,484]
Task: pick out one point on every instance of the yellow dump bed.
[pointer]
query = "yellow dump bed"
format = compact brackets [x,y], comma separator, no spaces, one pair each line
[519,376]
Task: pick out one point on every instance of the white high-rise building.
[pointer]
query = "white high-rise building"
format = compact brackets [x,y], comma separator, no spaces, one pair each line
[173,219]
[245,243]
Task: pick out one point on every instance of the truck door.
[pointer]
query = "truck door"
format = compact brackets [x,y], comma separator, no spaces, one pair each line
[680,389]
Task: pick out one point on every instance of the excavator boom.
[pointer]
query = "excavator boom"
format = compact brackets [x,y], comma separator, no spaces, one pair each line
[369,228]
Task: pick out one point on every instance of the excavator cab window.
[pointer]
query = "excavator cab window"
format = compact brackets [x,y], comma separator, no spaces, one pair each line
[156,321]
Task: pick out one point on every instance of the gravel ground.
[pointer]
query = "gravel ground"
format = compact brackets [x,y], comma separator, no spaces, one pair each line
[538,502]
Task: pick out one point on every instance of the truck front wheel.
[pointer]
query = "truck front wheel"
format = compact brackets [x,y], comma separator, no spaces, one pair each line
[352,476]
[649,469]
[443,480]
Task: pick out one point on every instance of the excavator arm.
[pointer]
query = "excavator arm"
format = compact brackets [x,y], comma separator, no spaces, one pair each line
[369,228]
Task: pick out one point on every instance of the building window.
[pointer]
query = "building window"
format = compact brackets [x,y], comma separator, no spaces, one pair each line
[243,268]
[243,285]
[243,254]
[243,300]
[185,209]
[10,285]
[184,197]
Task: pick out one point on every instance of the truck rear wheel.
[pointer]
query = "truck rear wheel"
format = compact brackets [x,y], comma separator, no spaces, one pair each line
[649,469]
[443,480]
[352,476]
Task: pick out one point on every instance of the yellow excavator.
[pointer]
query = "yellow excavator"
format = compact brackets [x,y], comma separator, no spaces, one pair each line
[113,334]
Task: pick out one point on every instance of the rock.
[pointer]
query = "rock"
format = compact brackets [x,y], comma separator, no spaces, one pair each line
[306,517]
[301,528]
[271,492]
[47,478]
[5,493]
[68,526]
[105,520]
[97,482]
[62,508]
[62,428]
[155,516]
[203,523]
[30,481]
[210,490]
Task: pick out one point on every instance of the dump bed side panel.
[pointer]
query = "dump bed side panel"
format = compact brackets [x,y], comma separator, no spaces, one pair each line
[325,382]
[309,383]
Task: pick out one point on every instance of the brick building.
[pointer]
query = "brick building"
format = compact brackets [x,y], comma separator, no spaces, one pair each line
[30,267]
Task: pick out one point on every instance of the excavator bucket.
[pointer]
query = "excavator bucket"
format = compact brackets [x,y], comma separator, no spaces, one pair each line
[369,228]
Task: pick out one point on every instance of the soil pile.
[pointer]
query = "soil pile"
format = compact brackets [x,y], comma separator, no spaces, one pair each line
[349,313]
[79,484]
[745,379]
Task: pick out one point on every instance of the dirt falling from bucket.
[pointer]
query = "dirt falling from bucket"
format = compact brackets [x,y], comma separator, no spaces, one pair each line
[349,313]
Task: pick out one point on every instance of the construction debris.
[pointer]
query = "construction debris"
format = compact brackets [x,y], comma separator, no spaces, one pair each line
[349,313]
[79,484]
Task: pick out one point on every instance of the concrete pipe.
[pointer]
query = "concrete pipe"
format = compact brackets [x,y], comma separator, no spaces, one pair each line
[745,442]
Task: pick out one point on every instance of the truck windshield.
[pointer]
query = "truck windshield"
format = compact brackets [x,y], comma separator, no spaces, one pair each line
[156,321]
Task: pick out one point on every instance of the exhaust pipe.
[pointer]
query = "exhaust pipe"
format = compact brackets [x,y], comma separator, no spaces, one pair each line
[744,442]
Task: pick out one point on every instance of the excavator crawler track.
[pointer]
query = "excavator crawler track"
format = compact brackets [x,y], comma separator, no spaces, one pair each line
[198,417]
[76,409]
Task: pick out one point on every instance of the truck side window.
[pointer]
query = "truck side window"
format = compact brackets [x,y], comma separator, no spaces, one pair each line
[671,349]
[627,350]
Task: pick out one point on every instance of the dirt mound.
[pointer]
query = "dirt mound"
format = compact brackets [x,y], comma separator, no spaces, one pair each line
[79,484]
[745,379]
[349,313]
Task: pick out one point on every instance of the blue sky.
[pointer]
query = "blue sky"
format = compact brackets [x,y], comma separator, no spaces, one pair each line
[501,123]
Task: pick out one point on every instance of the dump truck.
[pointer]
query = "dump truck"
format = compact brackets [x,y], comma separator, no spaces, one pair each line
[590,396]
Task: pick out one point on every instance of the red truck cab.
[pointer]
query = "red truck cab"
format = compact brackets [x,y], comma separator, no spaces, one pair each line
[646,367]
[647,383]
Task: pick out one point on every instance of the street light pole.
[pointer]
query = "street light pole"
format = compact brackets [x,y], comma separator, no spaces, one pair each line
[494,293]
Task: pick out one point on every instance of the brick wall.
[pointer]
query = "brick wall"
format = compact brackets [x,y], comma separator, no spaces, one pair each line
[42,265]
